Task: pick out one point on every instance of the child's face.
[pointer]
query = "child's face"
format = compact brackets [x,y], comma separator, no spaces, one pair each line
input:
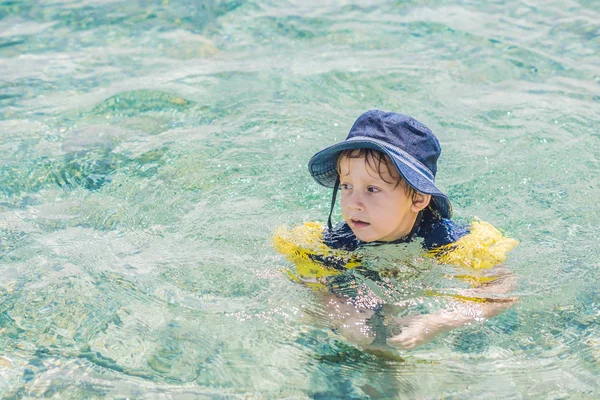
[373,208]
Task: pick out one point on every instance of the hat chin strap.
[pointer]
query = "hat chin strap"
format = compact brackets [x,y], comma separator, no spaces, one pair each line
[336,186]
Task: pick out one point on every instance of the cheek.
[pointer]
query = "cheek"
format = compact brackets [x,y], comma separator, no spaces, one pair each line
[389,210]
[343,199]
[387,213]
[384,203]
[344,205]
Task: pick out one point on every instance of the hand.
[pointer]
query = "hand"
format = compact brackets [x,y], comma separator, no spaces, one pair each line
[416,330]
[420,329]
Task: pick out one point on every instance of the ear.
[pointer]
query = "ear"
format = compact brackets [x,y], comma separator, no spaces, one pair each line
[420,201]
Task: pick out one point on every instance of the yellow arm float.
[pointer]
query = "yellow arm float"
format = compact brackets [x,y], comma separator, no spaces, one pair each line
[303,245]
[483,247]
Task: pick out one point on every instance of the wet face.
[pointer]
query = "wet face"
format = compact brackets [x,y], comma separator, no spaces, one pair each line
[374,205]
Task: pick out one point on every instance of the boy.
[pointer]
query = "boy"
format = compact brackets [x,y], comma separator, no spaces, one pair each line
[385,170]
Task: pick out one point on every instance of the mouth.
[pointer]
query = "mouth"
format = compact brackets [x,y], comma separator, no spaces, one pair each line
[357,223]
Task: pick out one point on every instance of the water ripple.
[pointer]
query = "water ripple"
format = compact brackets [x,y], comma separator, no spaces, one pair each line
[149,149]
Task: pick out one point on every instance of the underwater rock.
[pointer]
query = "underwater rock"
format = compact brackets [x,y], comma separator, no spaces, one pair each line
[158,364]
[139,101]
[188,45]
[5,363]
[95,357]
[96,136]
[90,169]
[90,159]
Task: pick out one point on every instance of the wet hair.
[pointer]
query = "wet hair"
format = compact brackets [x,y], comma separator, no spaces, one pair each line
[377,161]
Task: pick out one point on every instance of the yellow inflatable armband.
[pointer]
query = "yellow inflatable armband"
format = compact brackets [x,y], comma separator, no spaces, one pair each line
[303,245]
[483,247]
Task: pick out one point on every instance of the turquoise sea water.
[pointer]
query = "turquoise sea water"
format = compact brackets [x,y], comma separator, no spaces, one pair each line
[148,149]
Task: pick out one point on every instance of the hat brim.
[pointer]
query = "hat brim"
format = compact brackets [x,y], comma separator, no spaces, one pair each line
[323,168]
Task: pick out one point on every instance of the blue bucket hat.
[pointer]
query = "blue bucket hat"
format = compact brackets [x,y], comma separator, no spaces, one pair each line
[411,146]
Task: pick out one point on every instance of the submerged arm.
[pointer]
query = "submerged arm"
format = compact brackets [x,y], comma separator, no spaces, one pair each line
[478,304]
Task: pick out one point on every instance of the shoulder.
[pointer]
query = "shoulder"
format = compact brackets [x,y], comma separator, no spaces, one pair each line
[438,232]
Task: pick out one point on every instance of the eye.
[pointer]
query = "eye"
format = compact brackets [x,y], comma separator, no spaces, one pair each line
[373,189]
[345,186]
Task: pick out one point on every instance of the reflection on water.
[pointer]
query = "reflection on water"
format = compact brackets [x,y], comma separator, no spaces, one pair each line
[150,148]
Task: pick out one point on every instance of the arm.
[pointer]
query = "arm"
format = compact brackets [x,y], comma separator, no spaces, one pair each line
[471,305]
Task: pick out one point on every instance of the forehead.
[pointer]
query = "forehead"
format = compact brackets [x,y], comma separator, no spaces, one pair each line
[377,168]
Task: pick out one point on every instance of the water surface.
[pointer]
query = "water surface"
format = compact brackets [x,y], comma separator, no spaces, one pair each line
[148,149]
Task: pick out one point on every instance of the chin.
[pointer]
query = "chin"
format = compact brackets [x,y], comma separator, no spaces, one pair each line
[363,238]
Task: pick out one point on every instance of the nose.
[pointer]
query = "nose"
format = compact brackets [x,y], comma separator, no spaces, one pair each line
[354,201]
